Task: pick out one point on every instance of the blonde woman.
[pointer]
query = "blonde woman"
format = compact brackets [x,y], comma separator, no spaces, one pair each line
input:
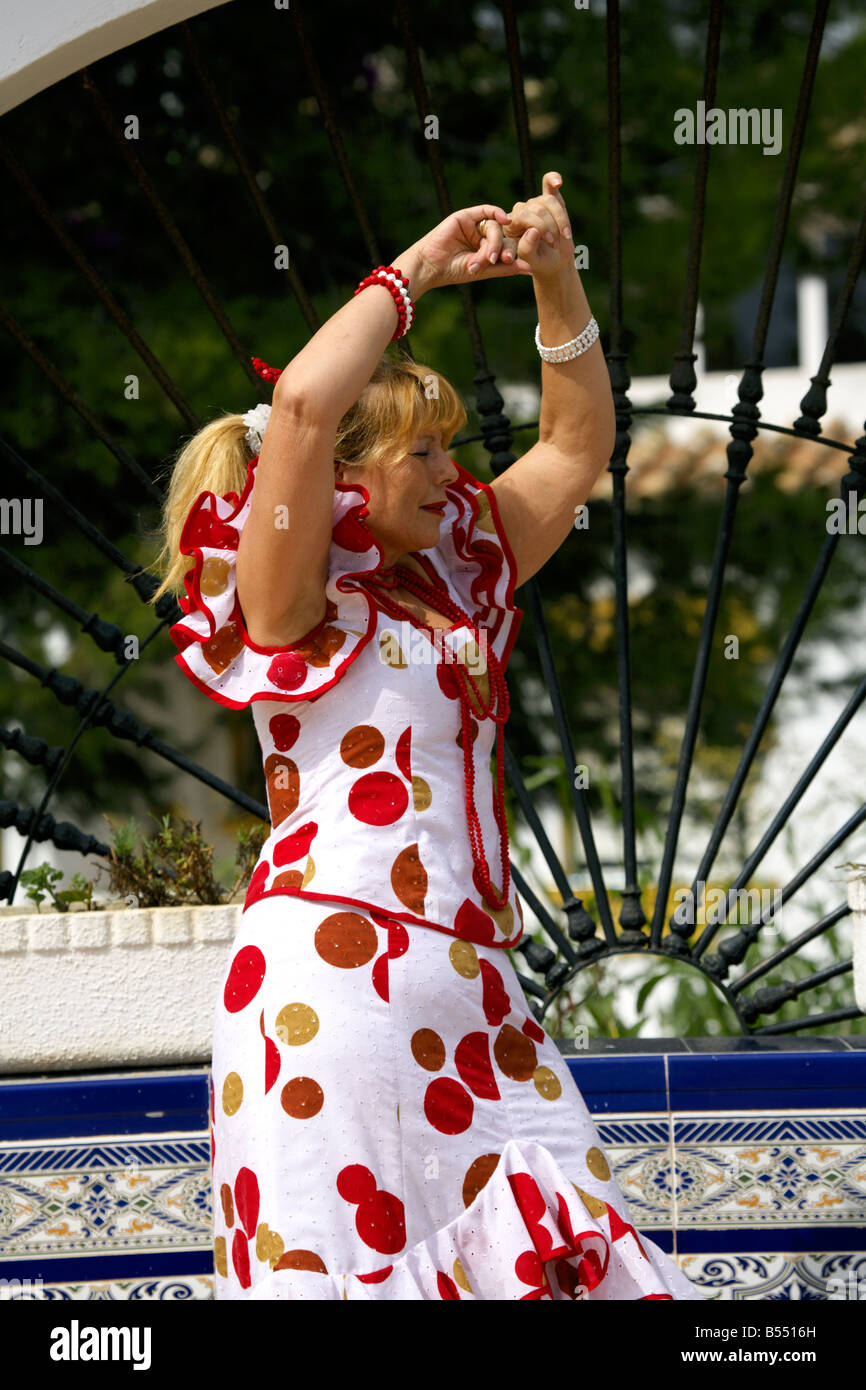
[388,1119]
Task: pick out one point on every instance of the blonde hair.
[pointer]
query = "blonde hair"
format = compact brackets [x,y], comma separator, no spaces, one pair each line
[402,400]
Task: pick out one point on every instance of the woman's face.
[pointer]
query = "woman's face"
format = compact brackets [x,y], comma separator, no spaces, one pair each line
[401,494]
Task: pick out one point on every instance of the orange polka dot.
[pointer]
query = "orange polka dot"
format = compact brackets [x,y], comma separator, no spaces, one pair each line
[284,786]
[478,1174]
[221,649]
[214,576]
[362,746]
[289,878]
[428,1049]
[409,879]
[301,1259]
[228,1205]
[346,939]
[515,1053]
[302,1098]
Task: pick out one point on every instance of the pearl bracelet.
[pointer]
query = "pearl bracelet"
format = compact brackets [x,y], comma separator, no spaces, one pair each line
[573,348]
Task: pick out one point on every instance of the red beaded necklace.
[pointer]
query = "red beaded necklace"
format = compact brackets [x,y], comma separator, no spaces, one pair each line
[497,708]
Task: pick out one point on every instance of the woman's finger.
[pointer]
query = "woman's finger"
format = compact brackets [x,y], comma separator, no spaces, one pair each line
[551,186]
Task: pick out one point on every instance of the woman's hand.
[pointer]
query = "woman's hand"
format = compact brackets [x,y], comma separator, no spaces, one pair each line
[542,230]
[446,254]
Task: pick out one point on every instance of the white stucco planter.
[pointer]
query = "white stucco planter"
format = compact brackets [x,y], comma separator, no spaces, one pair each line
[857,904]
[118,987]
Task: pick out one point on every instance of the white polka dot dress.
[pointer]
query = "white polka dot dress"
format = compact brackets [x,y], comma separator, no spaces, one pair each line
[388,1119]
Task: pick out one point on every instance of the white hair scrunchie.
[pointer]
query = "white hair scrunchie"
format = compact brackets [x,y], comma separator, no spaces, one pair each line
[257,422]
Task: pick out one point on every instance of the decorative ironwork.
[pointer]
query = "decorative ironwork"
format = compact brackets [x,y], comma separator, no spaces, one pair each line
[575,939]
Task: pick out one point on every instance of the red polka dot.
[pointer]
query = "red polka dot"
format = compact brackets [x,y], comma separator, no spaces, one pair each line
[380,1223]
[448,1106]
[447,1288]
[472,1060]
[272,1063]
[379,976]
[494,1000]
[295,846]
[256,885]
[398,940]
[377,1276]
[355,1183]
[473,924]
[284,730]
[205,531]
[241,1259]
[244,979]
[379,798]
[287,670]
[349,534]
[530,1028]
[247,1200]
[529,1269]
[402,753]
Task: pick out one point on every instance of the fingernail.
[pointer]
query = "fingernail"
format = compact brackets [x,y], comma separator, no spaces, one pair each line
[550,239]
[473,267]
[568,231]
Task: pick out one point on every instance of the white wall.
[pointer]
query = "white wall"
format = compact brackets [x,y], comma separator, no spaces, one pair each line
[46,41]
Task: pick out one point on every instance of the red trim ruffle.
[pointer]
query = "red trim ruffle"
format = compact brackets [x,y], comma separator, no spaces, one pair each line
[219,657]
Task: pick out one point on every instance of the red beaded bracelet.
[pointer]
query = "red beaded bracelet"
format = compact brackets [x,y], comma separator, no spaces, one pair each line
[398,285]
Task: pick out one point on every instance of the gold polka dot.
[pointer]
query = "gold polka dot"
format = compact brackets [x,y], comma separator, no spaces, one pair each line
[428,1049]
[391,653]
[219,1257]
[233,1093]
[459,1275]
[421,794]
[214,576]
[598,1164]
[502,916]
[296,1024]
[309,871]
[485,520]
[464,958]
[594,1205]
[269,1245]
[547,1083]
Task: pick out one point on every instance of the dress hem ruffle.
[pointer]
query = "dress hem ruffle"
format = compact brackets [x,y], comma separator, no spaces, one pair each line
[530,1233]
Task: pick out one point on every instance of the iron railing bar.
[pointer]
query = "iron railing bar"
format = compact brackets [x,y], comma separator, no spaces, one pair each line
[530,986]
[259,201]
[783,814]
[169,226]
[518,99]
[697,415]
[581,811]
[762,719]
[106,635]
[62,386]
[106,298]
[814,403]
[529,896]
[335,135]
[813,1021]
[805,936]
[68,690]
[143,583]
[683,379]
[739,455]
[631,914]
[795,884]
[515,777]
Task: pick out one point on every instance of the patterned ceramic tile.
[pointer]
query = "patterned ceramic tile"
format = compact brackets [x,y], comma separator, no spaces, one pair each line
[782,1170]
[194,1287]
[816,1277]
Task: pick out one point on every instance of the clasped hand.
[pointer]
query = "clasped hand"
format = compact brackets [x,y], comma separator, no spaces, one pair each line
[533,239]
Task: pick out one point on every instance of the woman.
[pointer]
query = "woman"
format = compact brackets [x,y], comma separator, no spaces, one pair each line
[388,1119]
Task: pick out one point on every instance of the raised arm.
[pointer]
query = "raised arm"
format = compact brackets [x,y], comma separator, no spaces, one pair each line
[282,571]
[538,495]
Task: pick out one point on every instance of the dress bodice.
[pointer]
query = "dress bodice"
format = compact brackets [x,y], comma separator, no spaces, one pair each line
[360,722]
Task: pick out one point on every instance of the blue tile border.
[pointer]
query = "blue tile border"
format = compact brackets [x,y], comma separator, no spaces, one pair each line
[805,1080]
[98,1268]
[87,1105]
[766,1240]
